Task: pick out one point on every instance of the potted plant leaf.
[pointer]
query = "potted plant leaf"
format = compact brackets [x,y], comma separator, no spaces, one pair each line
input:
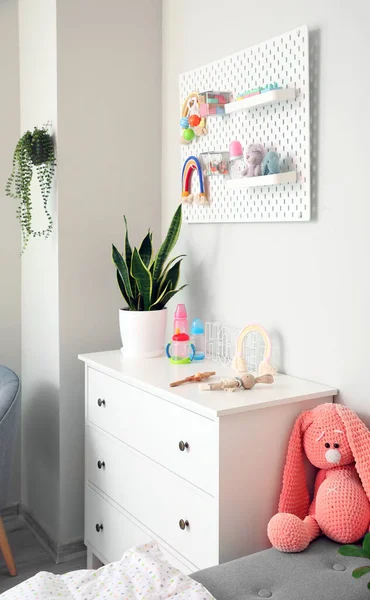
[361,552]
[34,150]
[147,282]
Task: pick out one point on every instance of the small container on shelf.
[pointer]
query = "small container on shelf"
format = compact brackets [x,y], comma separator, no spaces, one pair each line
[180,320]
[213,103]
[214,163]
[198,338]
[237,164]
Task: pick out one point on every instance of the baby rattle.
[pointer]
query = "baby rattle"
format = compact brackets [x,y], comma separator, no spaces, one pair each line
[245,382]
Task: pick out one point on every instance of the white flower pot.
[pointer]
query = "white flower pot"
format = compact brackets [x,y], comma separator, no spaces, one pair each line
[142,332]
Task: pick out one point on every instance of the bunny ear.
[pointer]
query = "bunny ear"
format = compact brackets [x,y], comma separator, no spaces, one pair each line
[294,497]
[358,437]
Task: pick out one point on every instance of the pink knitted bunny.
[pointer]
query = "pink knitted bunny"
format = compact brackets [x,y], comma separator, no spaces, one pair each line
[337,442]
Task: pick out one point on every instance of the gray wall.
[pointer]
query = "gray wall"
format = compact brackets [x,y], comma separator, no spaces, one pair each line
[10,240]
[109,124]
[308,284]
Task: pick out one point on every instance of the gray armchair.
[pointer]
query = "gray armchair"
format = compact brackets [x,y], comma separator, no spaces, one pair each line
[9,420]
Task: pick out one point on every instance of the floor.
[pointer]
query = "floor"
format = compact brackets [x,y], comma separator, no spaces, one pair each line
[30,557]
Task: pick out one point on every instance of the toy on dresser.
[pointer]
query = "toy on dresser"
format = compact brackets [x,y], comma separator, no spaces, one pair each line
[229,384]
[337,442]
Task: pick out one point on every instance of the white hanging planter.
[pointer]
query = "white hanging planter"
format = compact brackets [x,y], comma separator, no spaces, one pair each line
[142,332]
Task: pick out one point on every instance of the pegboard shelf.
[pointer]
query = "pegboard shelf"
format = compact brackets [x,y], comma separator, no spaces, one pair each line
[261,99]
[278,119]
[247,182]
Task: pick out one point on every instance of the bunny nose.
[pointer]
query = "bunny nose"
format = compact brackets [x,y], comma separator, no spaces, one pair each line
[333,456]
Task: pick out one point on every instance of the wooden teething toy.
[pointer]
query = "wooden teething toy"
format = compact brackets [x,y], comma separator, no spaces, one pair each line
[230,384]
[193,378]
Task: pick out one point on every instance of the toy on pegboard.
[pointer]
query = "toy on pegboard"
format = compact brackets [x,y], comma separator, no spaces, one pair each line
[271,163]
[191,123]
[214,163]
[255,155]
[213,103]
[190,165]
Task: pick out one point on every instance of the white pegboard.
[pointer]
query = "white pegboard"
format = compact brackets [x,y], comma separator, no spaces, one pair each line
[283,127]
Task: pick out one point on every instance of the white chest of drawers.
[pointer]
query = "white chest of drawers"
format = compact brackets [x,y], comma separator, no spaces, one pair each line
[198,471]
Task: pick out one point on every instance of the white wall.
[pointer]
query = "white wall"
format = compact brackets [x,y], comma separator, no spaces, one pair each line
[40,325]
[94,70]
[310,283]
[10,241]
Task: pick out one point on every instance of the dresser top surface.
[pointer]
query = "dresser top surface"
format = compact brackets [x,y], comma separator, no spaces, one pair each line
[155,374]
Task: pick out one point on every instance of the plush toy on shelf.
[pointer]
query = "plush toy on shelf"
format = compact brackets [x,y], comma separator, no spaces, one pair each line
[254,156]
[334,439]
[271,163]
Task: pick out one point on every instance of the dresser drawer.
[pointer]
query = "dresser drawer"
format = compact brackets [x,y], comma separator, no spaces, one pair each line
[119,533]
[156,428]
[156,497]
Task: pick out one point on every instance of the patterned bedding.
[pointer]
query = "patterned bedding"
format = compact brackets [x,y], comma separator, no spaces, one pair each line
[141,574]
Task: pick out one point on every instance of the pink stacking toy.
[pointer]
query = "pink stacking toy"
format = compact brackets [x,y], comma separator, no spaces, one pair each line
[337,442]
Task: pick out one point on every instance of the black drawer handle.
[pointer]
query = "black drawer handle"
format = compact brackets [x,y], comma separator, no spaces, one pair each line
[101,402]
[98,527]
[183,446]
[183,524]
[101,464]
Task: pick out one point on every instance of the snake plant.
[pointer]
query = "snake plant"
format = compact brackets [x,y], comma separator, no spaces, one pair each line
[148,281]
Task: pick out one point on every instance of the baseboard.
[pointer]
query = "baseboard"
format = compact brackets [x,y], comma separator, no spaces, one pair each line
[10,512]
[60,553]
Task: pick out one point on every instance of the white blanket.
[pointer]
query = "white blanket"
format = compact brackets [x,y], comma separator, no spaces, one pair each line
[141,574]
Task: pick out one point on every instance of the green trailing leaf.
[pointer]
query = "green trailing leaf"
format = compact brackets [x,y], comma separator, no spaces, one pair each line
[34,151]
[352,550]
[143,278]
[360,571]
[169,243]
[146,250]
[366,545]
[123,271]
[148,284]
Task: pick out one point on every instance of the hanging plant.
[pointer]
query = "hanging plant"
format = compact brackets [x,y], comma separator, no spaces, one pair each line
[34,150]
